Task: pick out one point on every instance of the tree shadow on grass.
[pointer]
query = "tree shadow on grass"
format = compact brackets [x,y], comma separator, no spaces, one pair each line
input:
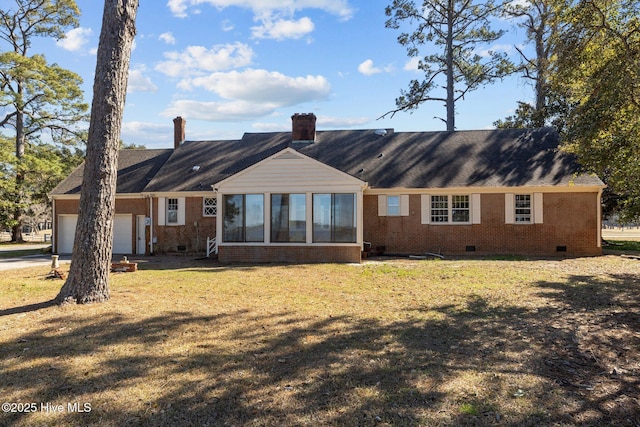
[446,365]
[27,308]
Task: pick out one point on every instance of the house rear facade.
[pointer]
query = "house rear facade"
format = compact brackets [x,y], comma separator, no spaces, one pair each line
[321,196]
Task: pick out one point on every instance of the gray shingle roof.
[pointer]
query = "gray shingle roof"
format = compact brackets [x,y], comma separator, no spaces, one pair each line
[135,169]
[485,158]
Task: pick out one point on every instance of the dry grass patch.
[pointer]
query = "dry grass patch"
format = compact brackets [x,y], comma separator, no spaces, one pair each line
[543,342]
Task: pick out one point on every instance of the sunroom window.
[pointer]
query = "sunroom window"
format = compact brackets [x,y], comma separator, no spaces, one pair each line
[334,218]
[288,218]
[243,218]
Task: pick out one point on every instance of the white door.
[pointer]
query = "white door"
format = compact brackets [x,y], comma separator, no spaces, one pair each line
[66,233]
[122,233]
[141,238]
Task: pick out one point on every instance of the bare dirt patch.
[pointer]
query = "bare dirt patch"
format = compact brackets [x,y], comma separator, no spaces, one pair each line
[461,342]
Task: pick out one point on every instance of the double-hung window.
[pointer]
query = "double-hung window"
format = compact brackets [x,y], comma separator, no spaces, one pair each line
[243,218]
[449,209]
[334,218]
[172,211]
[439,209]
[460,208]
[393,205]
[288,218]
[522,208]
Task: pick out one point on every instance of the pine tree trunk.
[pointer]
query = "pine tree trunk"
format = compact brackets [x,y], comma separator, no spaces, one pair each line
[88,279]
[16,229]
[451,103]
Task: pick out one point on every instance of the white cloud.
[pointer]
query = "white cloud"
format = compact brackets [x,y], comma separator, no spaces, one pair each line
[248,95]
[412,64]
[506,48]
[271,127]
[368,69]
[330,122]
[151,135]
[138,82]
[227,26]
[75,39]
[340,8]
[196,60]
[283,29]
[261,86]
[168,38]
[136,128]
[218,111]
[325,122]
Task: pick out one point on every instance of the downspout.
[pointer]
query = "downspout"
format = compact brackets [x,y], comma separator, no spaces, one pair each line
[151,225]
[54,232]
[599,210]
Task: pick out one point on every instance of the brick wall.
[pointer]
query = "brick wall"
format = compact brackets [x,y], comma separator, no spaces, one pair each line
[570,221]
[134,207]
[293,254]
[190,237]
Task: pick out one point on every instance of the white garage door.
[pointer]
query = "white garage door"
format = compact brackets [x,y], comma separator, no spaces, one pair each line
[66,231]
[122,233]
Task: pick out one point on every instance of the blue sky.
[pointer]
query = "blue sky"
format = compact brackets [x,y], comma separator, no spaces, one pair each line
[235,66]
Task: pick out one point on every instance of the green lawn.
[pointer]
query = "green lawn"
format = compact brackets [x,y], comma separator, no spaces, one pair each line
[395,343]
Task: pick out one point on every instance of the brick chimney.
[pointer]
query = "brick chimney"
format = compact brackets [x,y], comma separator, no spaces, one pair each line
[303,127]
[178,131]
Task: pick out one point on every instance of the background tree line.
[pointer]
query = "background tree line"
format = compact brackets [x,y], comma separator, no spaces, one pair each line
[584,71]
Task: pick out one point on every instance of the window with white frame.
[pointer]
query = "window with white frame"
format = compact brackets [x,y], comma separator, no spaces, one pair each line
[439,209]
[243,218]
[450,209]
[393,205]
[460,208]
[288,218]
[209,206]
[334,218]
[172,211]
[524,208]
[522,205]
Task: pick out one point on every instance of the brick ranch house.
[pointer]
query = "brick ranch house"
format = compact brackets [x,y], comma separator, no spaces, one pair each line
[307,196]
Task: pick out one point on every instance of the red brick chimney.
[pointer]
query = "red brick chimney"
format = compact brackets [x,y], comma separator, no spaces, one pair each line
[178,131]
[303,127]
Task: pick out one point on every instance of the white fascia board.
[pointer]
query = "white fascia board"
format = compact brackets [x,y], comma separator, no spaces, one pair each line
[484,190]
[176,194]
[77,196]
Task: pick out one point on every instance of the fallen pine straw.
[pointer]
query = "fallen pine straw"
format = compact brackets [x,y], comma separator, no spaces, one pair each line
[462,342]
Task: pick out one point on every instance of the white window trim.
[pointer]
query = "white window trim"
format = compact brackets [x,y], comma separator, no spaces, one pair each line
[537,203]
[403,200]
[162,211]
[474,209]
[204,207]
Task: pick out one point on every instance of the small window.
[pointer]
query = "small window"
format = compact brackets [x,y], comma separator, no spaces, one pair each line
[439,208]
[172,211]
[523,208]
[393,205]
[209,206]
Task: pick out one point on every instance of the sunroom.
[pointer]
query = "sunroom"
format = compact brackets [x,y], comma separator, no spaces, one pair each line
[291,208]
